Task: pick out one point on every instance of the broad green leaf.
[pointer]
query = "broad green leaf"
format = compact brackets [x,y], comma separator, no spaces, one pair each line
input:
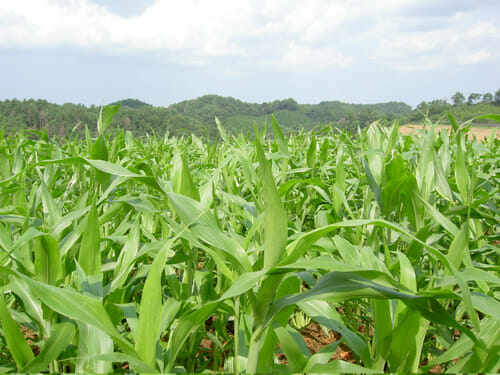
[374,186]
[486,305]
[110,168]
[279,137]
[453,122]
[297,360]
[50,206]
[494,117]
[440,218]
[222,131]
[276,220]
[47,260]
[135,363]
[311,154]
[458,248]
[323,313]
[462,176]
[185,327]
[202,222]
[297,248]
[60,337]
[78,306]
[18,347]
[183,182]
[243,284]
[89,256]
[106,117]
[382,324]
[127,254]
[338,367]
[350,255]
[148,326]
[130,314]
[407,342]
[31,303]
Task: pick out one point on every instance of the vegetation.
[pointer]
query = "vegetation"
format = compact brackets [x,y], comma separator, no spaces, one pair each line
[197,116]
[125,254]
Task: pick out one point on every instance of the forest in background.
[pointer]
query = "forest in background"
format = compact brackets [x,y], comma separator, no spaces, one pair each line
[198,115]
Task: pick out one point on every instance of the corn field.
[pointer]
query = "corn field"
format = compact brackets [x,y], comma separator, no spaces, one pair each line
[180,255]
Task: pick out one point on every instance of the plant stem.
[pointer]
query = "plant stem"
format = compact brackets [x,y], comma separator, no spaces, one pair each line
[253,351]
[236,336]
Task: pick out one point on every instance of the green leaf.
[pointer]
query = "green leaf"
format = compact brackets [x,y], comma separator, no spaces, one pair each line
[89,256]
[182,180]
[47,261]
[453,122]
[243,284]
[299,246]
[106,117]
[279,137]
[323,313]
[78,306]
[382,331]
[60,337]
[311,154]
[486,305]
[374,186]
[440,218]
[276,219]
[222,131]
[136,364]
[50,206]
[461,173]
[407,341]
[185,327]
[148,326]
[337,367]
[31,303]
[459,247]
[494,117]
[202,222]
[18,347]
[297,360]
[110,168]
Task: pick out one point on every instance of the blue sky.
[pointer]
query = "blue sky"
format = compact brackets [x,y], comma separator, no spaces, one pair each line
[165,51]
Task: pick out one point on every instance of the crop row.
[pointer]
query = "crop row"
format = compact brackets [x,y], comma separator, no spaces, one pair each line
[166,254]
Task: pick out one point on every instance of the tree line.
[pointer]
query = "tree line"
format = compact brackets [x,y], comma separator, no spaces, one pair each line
[475,98]
[198,115]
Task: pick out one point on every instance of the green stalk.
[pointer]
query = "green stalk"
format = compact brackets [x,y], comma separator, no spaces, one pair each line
[253,351]
[236,336]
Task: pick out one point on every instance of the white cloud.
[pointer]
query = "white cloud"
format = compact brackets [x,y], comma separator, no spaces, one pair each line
[305,35]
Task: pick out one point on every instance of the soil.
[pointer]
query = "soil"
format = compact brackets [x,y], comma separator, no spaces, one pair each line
[31,337]
[480,132]
[316,339]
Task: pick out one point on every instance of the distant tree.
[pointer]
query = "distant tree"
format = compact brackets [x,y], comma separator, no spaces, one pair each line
[496,99]
[458,98]
[131,103]
[474,98]
[487,98]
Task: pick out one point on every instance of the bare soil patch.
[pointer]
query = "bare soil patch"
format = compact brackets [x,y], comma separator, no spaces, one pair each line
[316,339]
[480,132]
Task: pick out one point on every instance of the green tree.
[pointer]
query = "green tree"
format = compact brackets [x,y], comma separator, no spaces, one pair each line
[496,99]
[487,98]
[458,98]
[474,98]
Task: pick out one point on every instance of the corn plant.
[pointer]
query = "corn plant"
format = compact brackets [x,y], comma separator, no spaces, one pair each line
[165,254]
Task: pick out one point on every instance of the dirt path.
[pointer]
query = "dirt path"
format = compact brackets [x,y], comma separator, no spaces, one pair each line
[480,133]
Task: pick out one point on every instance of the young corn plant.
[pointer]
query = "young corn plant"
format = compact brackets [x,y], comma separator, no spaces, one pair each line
[167,254]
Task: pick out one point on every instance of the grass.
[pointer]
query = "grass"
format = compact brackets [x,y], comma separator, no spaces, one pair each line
[127,254]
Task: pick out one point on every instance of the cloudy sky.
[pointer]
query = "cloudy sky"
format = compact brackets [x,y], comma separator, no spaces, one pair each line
[165,51]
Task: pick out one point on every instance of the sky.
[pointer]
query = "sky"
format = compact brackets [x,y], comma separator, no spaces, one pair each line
[166,51]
